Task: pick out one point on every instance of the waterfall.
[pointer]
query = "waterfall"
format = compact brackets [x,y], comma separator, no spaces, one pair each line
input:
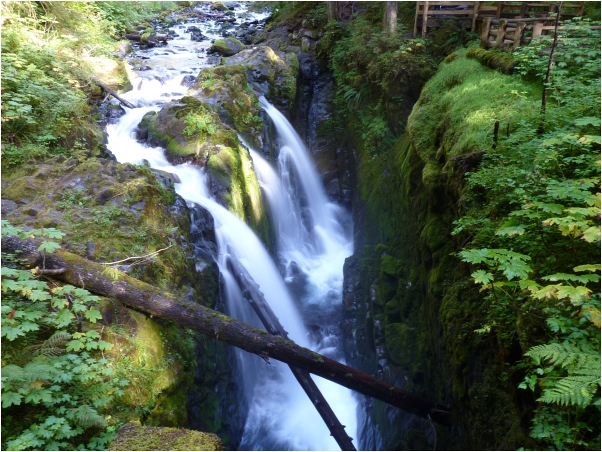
[313,240]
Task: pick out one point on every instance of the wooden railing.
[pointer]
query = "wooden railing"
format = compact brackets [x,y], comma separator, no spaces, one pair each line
[473,13]
[516,32]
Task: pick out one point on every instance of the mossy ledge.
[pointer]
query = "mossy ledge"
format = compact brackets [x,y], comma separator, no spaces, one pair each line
[135,437]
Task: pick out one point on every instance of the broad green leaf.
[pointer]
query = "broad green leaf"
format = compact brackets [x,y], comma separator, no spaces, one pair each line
[64,317]
[39,395]
[53,233]
[93,315]
[530,285]
[30,326]
[571,277]
[103,345]
[93,334]
[49,247]
[482,277]
[75,345]
[591,234]
[39,295]
[511,230]
[515,268]
[588,121]
[476,256]
[11,333]
[588,268]
[575,294]
[11,398]
[9,272]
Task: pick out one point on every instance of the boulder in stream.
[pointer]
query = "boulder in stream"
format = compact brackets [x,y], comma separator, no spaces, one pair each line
[227,46]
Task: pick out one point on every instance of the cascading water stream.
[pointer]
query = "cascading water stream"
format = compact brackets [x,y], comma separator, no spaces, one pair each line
[281,417]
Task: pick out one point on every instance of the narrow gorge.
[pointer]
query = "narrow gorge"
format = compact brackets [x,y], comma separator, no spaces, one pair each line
[399,205]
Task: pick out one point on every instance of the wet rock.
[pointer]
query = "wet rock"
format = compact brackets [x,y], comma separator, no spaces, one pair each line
[228,46]
[90,250]
[8,206]
[188,80]
[296,280]
[219,6]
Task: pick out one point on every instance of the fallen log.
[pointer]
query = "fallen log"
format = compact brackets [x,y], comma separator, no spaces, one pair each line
[83,273]
[254,296]
[108,89]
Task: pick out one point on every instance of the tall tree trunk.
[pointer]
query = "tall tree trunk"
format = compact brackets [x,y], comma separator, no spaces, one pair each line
[390,20]
[80,272]
[333,11]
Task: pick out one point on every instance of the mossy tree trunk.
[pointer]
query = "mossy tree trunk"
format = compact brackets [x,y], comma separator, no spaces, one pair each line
[390,20]
[80,272]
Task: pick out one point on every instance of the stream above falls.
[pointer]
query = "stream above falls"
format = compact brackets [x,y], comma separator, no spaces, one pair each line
[302,281]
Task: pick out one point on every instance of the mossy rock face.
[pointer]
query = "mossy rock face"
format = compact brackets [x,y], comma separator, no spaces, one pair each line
[109,212]
[111,72]
[419,293]
[225,89]
[228,46]
[272,73]
[190,131]
[135,437]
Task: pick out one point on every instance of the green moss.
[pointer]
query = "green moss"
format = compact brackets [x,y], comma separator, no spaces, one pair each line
[228,46]
[493,59]
[451,112]
[134,437]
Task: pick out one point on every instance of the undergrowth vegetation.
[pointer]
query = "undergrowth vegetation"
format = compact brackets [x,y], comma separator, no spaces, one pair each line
[534,225]
[56,381]
[375,73]
[49,51]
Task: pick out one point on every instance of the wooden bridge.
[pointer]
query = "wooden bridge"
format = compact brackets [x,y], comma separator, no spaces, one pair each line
[513,23]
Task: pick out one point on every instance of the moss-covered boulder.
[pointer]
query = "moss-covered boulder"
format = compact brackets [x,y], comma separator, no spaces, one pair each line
[190,130]
[226,90]
[135,437]
[271,73]
[114,73]
[227,46]
[219,6]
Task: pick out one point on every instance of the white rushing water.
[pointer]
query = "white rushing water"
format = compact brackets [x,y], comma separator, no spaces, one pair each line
[309,233]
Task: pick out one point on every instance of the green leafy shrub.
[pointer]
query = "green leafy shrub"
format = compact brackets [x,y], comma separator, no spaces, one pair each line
[55,378]
[539,250]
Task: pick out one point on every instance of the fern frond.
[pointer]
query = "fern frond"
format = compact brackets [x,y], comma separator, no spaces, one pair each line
[85,416]
[565,355]
[54,345]
[576,390]
[33,371]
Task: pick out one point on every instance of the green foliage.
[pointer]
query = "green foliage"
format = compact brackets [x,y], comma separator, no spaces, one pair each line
[199,123]
[54,376]
[537,237]
[370,68]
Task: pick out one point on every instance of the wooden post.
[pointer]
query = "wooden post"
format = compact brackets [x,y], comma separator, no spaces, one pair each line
[474,16]
[485,33]
[518,35]
[416,19]
[425,18]
[501,33]
[500,7]
[523,10]
[537,29]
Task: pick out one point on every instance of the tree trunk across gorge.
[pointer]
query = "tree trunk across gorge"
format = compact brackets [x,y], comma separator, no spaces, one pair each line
[83,273]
